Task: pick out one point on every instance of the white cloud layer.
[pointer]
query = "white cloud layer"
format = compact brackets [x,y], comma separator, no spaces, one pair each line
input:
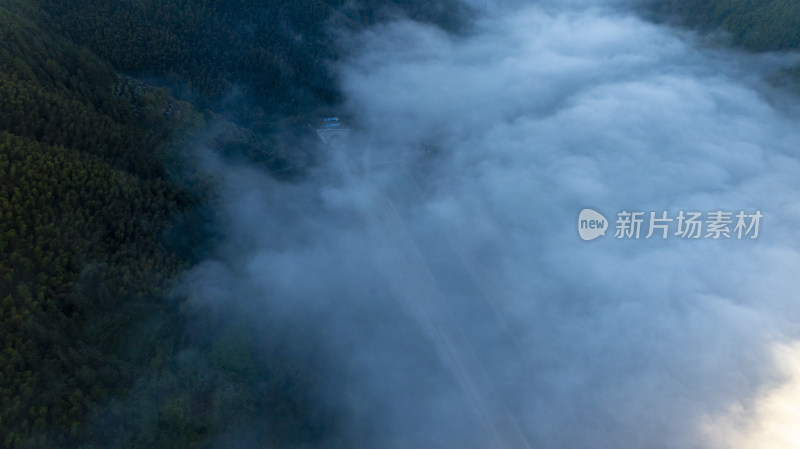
[437,262]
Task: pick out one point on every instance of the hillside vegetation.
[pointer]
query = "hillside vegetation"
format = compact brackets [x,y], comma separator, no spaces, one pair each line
[756,25]
[94,230]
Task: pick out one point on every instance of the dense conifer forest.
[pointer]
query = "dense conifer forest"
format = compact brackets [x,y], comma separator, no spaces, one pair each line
[756,25]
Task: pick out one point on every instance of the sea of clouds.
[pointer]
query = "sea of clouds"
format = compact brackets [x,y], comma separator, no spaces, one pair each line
[433,266]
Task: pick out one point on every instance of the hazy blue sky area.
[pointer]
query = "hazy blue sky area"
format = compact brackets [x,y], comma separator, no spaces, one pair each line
[432,269]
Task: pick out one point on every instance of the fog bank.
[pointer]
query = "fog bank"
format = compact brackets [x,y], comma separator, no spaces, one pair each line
[432,269]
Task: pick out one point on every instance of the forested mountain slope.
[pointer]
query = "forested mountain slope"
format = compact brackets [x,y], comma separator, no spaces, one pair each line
[751,25]
[93,231]
[84,207]
[276,52]
[757,25]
